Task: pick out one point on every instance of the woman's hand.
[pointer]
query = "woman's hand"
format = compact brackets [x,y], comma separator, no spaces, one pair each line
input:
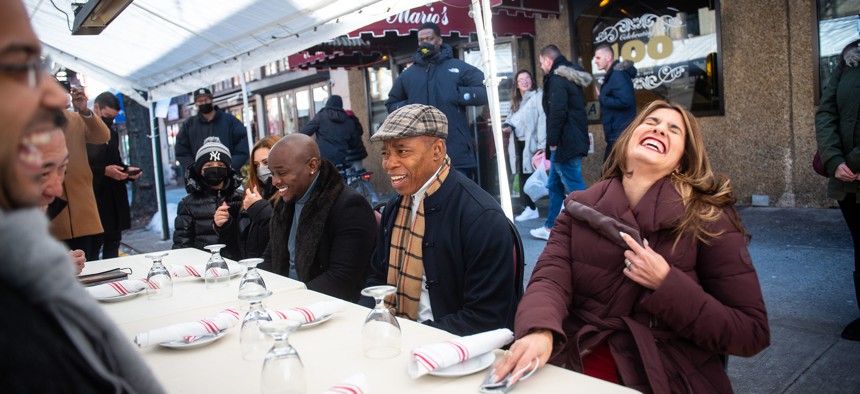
[644,266]
[79,259]
[538,344]
[844,174]
[251,196]
[222,214]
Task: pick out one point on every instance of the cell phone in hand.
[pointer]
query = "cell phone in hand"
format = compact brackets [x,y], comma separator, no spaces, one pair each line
[133,172]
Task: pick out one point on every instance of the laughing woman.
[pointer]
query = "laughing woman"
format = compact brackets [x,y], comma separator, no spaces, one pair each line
[646,280]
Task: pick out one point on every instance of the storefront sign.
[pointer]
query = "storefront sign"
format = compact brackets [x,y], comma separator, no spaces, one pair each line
[450,20]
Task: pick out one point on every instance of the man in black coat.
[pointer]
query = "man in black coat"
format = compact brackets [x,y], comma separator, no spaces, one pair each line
[566,129]
[335,131]
[616,95]
[437,78]
[211,122]
[322,231]
[110,175]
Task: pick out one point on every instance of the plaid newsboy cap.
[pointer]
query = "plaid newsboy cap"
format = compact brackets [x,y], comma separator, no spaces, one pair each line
[411,121]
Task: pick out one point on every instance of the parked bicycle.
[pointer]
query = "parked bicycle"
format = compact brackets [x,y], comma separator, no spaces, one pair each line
[359,179]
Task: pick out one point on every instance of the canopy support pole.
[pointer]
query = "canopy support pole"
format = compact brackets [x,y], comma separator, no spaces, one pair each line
[246,113]
[158,169]
[483,15]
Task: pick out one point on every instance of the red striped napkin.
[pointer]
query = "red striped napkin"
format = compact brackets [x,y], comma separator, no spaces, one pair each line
[184,271]
[426,359]
[308,313]
[118,288]
[189,331]
[356,384]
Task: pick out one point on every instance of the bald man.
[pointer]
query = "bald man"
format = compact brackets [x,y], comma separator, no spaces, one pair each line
[322,231]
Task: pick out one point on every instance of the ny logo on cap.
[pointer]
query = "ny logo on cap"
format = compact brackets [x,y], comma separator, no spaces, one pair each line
[214,156]
[201,91]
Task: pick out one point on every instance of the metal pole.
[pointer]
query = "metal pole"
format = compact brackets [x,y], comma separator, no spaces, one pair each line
[159,170]
[246,112]
[484,25]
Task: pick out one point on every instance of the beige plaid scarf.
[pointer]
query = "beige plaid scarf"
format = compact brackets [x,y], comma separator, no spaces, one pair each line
[405,259]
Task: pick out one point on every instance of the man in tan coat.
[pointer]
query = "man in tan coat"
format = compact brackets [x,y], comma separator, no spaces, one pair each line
[79,225]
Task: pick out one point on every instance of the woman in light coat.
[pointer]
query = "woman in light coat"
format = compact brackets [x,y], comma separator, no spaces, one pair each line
[527,126]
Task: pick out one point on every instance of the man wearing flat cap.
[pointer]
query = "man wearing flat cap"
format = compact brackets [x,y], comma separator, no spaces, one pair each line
[211,122]
[444,242]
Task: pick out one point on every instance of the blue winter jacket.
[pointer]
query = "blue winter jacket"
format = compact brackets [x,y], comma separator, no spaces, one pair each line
[617,99]
[564,105]
[450,85]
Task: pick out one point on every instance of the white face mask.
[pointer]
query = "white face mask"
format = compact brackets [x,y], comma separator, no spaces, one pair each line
[263,173]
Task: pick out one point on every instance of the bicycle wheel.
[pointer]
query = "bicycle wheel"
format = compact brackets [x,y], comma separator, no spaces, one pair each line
[366,190]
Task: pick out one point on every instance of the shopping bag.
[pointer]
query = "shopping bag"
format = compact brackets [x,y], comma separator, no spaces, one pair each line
[535,186]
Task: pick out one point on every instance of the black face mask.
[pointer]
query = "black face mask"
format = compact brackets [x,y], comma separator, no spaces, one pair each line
[108,121]
[205,108]
[214,175]
[426,49]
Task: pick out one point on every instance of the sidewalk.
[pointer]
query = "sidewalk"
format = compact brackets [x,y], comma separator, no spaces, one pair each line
[804,262]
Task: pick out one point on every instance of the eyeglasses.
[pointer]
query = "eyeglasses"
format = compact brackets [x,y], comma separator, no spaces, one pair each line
[35,69]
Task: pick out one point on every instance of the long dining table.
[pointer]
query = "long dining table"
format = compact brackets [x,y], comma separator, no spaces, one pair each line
[331,352]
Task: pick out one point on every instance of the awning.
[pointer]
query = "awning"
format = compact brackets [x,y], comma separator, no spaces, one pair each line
[529,8]
[341,52]
[450,18]
[170,48]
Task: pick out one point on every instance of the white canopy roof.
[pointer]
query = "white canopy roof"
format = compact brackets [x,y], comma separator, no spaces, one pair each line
[169,48]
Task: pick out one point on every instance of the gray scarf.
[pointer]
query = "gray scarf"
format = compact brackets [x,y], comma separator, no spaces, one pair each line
[39,268]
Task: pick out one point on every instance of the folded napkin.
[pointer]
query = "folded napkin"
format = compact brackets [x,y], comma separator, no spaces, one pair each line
[426,359]
[189,331]
[118,288]
[184,271]
[356,384]
[308,313]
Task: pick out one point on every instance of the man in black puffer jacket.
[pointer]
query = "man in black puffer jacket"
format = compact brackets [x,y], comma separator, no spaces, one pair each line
[334,129]
[439,80]
[205,215]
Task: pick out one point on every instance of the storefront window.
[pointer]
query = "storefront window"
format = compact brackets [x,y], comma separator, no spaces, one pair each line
[303,107]
[673,45]
[321,94]
[379,81]
[274,116]
[837,27]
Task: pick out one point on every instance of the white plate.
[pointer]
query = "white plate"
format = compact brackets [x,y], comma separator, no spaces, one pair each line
[205,340]
[468,367]
[315,322]
[121,297]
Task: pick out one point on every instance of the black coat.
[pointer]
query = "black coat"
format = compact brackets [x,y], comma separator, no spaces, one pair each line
[111,194]
[564,105]
[226,127]
[335,131]
[254,229]
[617,99]
[450,85]
[335,238]
[468,258]
[195,226]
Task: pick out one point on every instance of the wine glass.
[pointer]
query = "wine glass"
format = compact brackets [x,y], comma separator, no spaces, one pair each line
[216,274]
[159,281]
[251,339]
[252,286]
[283,371]
[381,332]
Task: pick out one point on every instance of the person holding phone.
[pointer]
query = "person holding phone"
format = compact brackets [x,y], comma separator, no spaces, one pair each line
[110,175]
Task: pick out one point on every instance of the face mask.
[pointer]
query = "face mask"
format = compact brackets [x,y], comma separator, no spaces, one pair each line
[108,121]
[264,174]
[214,175]
[426,49]
[205,108]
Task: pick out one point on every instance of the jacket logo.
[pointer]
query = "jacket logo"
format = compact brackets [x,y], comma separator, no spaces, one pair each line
[454,70]
[214,156]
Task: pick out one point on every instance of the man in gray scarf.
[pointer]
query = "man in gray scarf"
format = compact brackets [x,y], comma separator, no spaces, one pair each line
[54,336]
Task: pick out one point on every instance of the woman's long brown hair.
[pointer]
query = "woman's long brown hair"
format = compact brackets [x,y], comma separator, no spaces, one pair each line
[703,193]
[253,180]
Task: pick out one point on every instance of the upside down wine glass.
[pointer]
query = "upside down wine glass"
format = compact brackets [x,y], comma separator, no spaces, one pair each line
[216,274]
[159,282]
[381,332]
[252,288]
[283,371]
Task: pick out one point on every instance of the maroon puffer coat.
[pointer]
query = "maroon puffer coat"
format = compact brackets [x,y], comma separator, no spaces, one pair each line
[666,340]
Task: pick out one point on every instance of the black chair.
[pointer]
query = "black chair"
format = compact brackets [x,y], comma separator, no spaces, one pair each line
[519,261]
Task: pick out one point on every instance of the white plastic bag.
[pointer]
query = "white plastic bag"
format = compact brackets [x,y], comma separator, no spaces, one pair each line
[535,186]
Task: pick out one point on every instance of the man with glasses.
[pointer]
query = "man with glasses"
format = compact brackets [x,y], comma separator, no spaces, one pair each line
[211,122]
[56,336]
